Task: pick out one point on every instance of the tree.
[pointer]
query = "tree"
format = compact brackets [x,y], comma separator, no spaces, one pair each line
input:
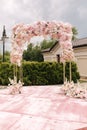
[47,44]
[0,57]
[75,32]
[27,54]
[7,56]
[33,53]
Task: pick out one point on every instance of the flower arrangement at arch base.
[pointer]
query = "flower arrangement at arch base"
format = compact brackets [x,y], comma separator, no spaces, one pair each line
[14,86]
[74,90]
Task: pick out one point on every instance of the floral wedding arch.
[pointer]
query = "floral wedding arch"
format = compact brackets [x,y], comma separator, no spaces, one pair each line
[22,33]
[60,31]
[57,30]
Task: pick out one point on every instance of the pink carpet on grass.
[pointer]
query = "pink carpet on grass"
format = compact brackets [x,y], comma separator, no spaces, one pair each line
[41,108]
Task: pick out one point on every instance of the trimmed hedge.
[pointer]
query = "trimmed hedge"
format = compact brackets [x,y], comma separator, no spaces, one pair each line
[38,73]
[6,71]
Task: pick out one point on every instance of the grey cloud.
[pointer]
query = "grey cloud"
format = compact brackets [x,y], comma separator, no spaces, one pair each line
[28,11]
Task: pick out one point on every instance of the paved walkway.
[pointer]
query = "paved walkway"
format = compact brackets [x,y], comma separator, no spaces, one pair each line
[41,108]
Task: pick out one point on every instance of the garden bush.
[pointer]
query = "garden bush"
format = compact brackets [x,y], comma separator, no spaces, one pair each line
[38,73]
[6,71]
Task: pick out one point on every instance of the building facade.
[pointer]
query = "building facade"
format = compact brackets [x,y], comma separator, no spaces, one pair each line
[80,49]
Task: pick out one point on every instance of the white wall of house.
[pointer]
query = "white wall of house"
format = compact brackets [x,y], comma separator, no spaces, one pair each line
[52,55]
[81,56]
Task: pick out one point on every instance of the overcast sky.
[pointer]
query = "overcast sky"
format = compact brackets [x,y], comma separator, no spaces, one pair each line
[28,11]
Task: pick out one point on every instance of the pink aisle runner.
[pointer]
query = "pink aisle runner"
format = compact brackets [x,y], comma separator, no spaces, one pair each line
[41,108]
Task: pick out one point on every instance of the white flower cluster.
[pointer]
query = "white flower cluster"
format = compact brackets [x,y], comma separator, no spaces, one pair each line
[74,90]
[15,87]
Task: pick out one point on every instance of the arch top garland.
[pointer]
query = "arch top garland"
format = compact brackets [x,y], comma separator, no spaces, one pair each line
[60,31]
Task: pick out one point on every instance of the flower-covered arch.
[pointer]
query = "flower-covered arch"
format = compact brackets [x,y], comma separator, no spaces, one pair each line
[60,31]
[22,33]
[57,30]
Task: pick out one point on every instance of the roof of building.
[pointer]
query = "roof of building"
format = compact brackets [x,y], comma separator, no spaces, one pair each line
[49,49]
[76,43]
[80,42]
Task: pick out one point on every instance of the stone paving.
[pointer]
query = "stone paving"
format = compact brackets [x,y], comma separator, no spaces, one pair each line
[41,108]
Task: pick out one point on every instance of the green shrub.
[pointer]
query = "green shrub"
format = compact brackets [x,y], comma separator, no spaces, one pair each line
[38,73]
[6,71]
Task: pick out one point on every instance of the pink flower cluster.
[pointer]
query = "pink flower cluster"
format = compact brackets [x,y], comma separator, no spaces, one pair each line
[74,90]
[57,30]
[15,87]
[67,55]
